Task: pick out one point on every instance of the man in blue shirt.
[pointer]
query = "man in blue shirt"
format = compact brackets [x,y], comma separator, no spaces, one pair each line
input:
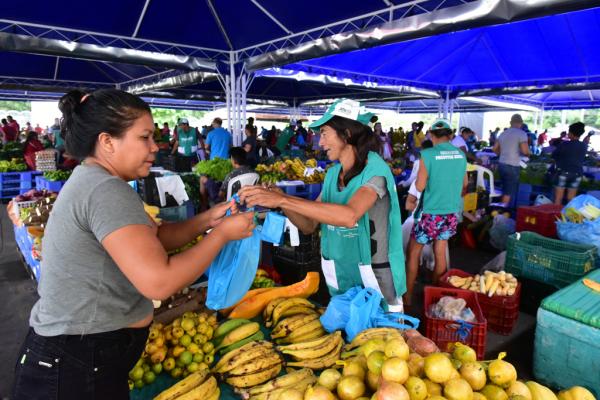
[569,157]
[218,141]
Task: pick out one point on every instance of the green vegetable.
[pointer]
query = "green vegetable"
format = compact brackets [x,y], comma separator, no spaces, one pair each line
[216,168]
[57,175]
[16,165]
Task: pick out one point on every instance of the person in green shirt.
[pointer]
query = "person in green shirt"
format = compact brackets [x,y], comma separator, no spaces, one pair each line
[441,180]
[357,210]
[283,140]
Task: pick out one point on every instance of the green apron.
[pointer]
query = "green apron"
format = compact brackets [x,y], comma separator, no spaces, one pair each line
[188,142]
[346,252]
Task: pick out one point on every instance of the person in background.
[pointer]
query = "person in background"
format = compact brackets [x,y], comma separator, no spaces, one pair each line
[300,130]
[460,141]
[218,141]
[494,136]
[59,142]
[541,140]
[559,140]
[32,145]
[38,129]
[410,136]
[91,321]
[157,133]
[419,135]
[441,180]
[249,146]
[510,146]
[386,146]
[28,128]
[14,124]
[412,199]
[166,131]
[569,158]
[186,144]
[263,153]
[10,133]
[283,140]
[251,126]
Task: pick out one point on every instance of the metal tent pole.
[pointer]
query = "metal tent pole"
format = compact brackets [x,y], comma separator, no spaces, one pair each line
[244,93]
[228,102]
[232,80]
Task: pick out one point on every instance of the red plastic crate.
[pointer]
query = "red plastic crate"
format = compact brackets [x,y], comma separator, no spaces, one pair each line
[445,332]
[501,312]
[539,219]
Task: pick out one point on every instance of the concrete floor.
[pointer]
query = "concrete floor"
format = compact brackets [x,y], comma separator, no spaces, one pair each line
[18,294]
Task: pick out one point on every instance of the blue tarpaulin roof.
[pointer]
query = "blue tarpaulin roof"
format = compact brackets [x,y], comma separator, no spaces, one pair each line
[554,50]
[557,49]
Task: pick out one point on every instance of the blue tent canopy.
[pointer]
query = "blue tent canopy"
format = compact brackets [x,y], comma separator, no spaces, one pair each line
[557,49]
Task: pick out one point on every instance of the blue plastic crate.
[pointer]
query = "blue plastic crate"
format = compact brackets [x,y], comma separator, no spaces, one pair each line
[307,191]
[42,183]
[10,193]
[25,243]
[18,180]
[566,352]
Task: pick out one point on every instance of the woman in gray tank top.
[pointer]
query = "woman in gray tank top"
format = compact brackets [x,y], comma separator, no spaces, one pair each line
[104,258]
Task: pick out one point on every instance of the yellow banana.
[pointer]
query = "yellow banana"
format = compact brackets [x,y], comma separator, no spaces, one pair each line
[238,334]
[215,395]
[325,361]
[284,381]
[305,329]
[312,335]
[274,394]
[373,333]
[243,356]
[240,350]
[257,364]
[185,385]
[202,391]
[333,340]
[295,310]
[268,311]
[257,378]
[303,345]
[288,303]
[288,325]
[540,392]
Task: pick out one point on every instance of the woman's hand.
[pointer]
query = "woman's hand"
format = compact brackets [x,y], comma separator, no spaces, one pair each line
[261,196]
[217,212]
[237,226]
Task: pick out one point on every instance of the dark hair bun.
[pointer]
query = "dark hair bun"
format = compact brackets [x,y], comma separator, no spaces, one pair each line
[69,101]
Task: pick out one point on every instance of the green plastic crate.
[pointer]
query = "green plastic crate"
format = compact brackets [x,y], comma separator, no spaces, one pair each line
[566,352]
[577,302]
[555,262]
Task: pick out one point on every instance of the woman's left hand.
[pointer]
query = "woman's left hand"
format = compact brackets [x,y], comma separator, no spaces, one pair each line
[260,196]
[217,212]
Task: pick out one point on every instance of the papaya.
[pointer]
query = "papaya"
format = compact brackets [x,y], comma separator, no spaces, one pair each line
[254,305]
[249,294]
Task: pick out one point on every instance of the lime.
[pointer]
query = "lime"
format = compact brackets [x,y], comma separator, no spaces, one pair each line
[185,340]
[138,384]
[157,368]
[136,374]
[192,367]
[149,377]
[200,339]
[168,364]
[208,359]
[194,348]
[176,372]
[198,357]
[208,347]
[186,357]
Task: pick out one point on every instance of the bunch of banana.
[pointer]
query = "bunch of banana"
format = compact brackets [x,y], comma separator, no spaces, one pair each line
[299,380]
[198,385]
[373,333]
[249,365]
[153,211]
[315,354]
[235,333]
[278,309]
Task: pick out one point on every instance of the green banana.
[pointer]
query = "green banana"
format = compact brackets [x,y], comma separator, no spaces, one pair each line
[227,327]
[257,336]
[241,332]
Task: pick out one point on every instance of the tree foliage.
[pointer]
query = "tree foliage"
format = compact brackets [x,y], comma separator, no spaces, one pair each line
[15,105]
[162,115]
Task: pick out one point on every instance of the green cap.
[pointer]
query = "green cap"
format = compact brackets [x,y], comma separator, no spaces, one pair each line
[345,108]
[441,124]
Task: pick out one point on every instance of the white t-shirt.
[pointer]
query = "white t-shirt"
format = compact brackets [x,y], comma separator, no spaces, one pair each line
[459,142]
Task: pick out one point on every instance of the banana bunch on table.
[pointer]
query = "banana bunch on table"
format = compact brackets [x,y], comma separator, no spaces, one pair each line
[293,319]
[249,365]
[197,386]
[299,380]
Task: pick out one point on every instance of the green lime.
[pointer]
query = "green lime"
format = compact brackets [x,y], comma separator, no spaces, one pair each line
[186,357]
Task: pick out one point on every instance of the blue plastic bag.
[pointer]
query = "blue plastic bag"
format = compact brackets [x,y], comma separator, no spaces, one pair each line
[587,232]
[360,308]
[232,271]
[273,228]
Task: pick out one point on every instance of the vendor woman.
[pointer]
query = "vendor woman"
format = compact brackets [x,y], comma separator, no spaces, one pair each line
[361,231]
[104,258]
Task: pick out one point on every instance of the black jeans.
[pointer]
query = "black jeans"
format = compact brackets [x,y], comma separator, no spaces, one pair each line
[90,367]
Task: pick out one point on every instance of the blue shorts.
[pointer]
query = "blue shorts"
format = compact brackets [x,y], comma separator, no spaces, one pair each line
[509,175]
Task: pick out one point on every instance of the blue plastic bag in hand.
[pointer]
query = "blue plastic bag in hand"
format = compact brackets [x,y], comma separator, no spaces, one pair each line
[273,228]
[232,271]
[358,309]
